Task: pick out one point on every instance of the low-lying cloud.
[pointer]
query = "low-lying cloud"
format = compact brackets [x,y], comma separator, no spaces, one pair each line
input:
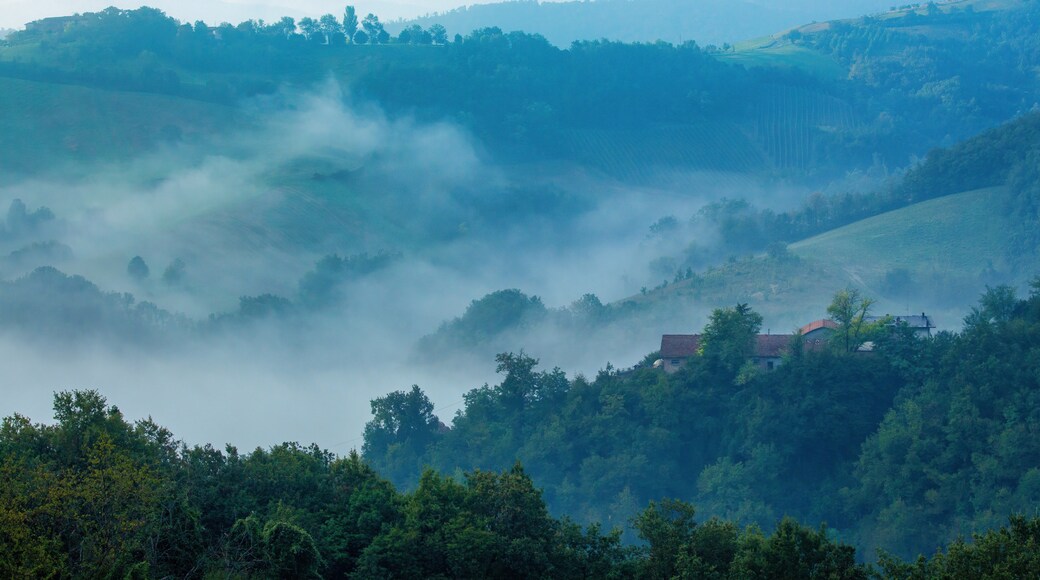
[318,173]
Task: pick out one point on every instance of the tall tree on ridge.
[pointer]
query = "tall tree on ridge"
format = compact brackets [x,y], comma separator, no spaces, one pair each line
[350,23]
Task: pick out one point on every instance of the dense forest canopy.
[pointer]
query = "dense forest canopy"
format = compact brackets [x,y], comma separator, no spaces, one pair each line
[919,442]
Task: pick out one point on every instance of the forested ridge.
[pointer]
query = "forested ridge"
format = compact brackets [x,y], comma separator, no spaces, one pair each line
[910,86]
[915,444]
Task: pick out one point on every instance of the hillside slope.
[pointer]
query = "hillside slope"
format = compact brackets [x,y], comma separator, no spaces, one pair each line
[959,235]
[927,256]
[45,124]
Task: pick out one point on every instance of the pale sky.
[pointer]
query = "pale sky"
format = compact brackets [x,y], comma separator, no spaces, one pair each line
[15,13]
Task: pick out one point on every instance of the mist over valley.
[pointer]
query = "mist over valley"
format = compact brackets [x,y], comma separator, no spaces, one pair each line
[450,253]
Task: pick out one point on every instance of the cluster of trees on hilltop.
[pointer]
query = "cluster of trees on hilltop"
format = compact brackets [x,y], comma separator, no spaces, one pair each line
[143,49]
[94,495]
[920,442]
[499,318]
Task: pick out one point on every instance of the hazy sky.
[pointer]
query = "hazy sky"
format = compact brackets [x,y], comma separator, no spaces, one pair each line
[15,13]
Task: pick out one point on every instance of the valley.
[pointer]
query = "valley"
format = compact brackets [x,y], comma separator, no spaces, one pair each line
[264,232]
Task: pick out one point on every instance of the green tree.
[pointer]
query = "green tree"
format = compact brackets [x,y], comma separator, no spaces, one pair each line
[310,28]
[849,310]
[373,28]
[330,28]
[290,552]
[438,34]
[729,337]
[667,528]
[137,268]
[361,505]
[794,552]
[350,23]
[398,437]
[174,273]
[1013,551]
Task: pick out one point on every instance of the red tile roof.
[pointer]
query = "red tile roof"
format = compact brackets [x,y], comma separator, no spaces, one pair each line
[818,324]
[686,345]
[680,345]
[772,345]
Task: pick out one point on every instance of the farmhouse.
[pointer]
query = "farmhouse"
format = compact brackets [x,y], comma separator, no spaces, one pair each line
[770,348]
[677,348]
[819,331]
[921,325]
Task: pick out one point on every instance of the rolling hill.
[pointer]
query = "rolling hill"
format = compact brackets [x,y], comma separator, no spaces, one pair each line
[44,125]
[960,235]
[936,255]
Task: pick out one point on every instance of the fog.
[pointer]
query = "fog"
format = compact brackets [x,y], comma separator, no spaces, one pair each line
[250,213]
[318,173]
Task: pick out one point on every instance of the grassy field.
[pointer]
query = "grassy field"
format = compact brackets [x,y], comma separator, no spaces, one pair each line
[774,52]
[963,233]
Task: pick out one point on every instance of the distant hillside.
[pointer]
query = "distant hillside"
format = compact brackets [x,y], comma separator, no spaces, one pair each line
[989,159]
[928,256]
[704,21]
[45,124]
[922,236]
[816,101]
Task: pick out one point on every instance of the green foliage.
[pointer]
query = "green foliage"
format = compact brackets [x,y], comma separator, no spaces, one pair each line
[493,526]
[849,310]
[666,528]
[484,320]
[398,437]
[729,337]
[1008,552]
[93,495]
[290,552]
[49,304]
[137,269]
[793,552]
[956,453]
[913,445]
[986,160]
[677,547]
